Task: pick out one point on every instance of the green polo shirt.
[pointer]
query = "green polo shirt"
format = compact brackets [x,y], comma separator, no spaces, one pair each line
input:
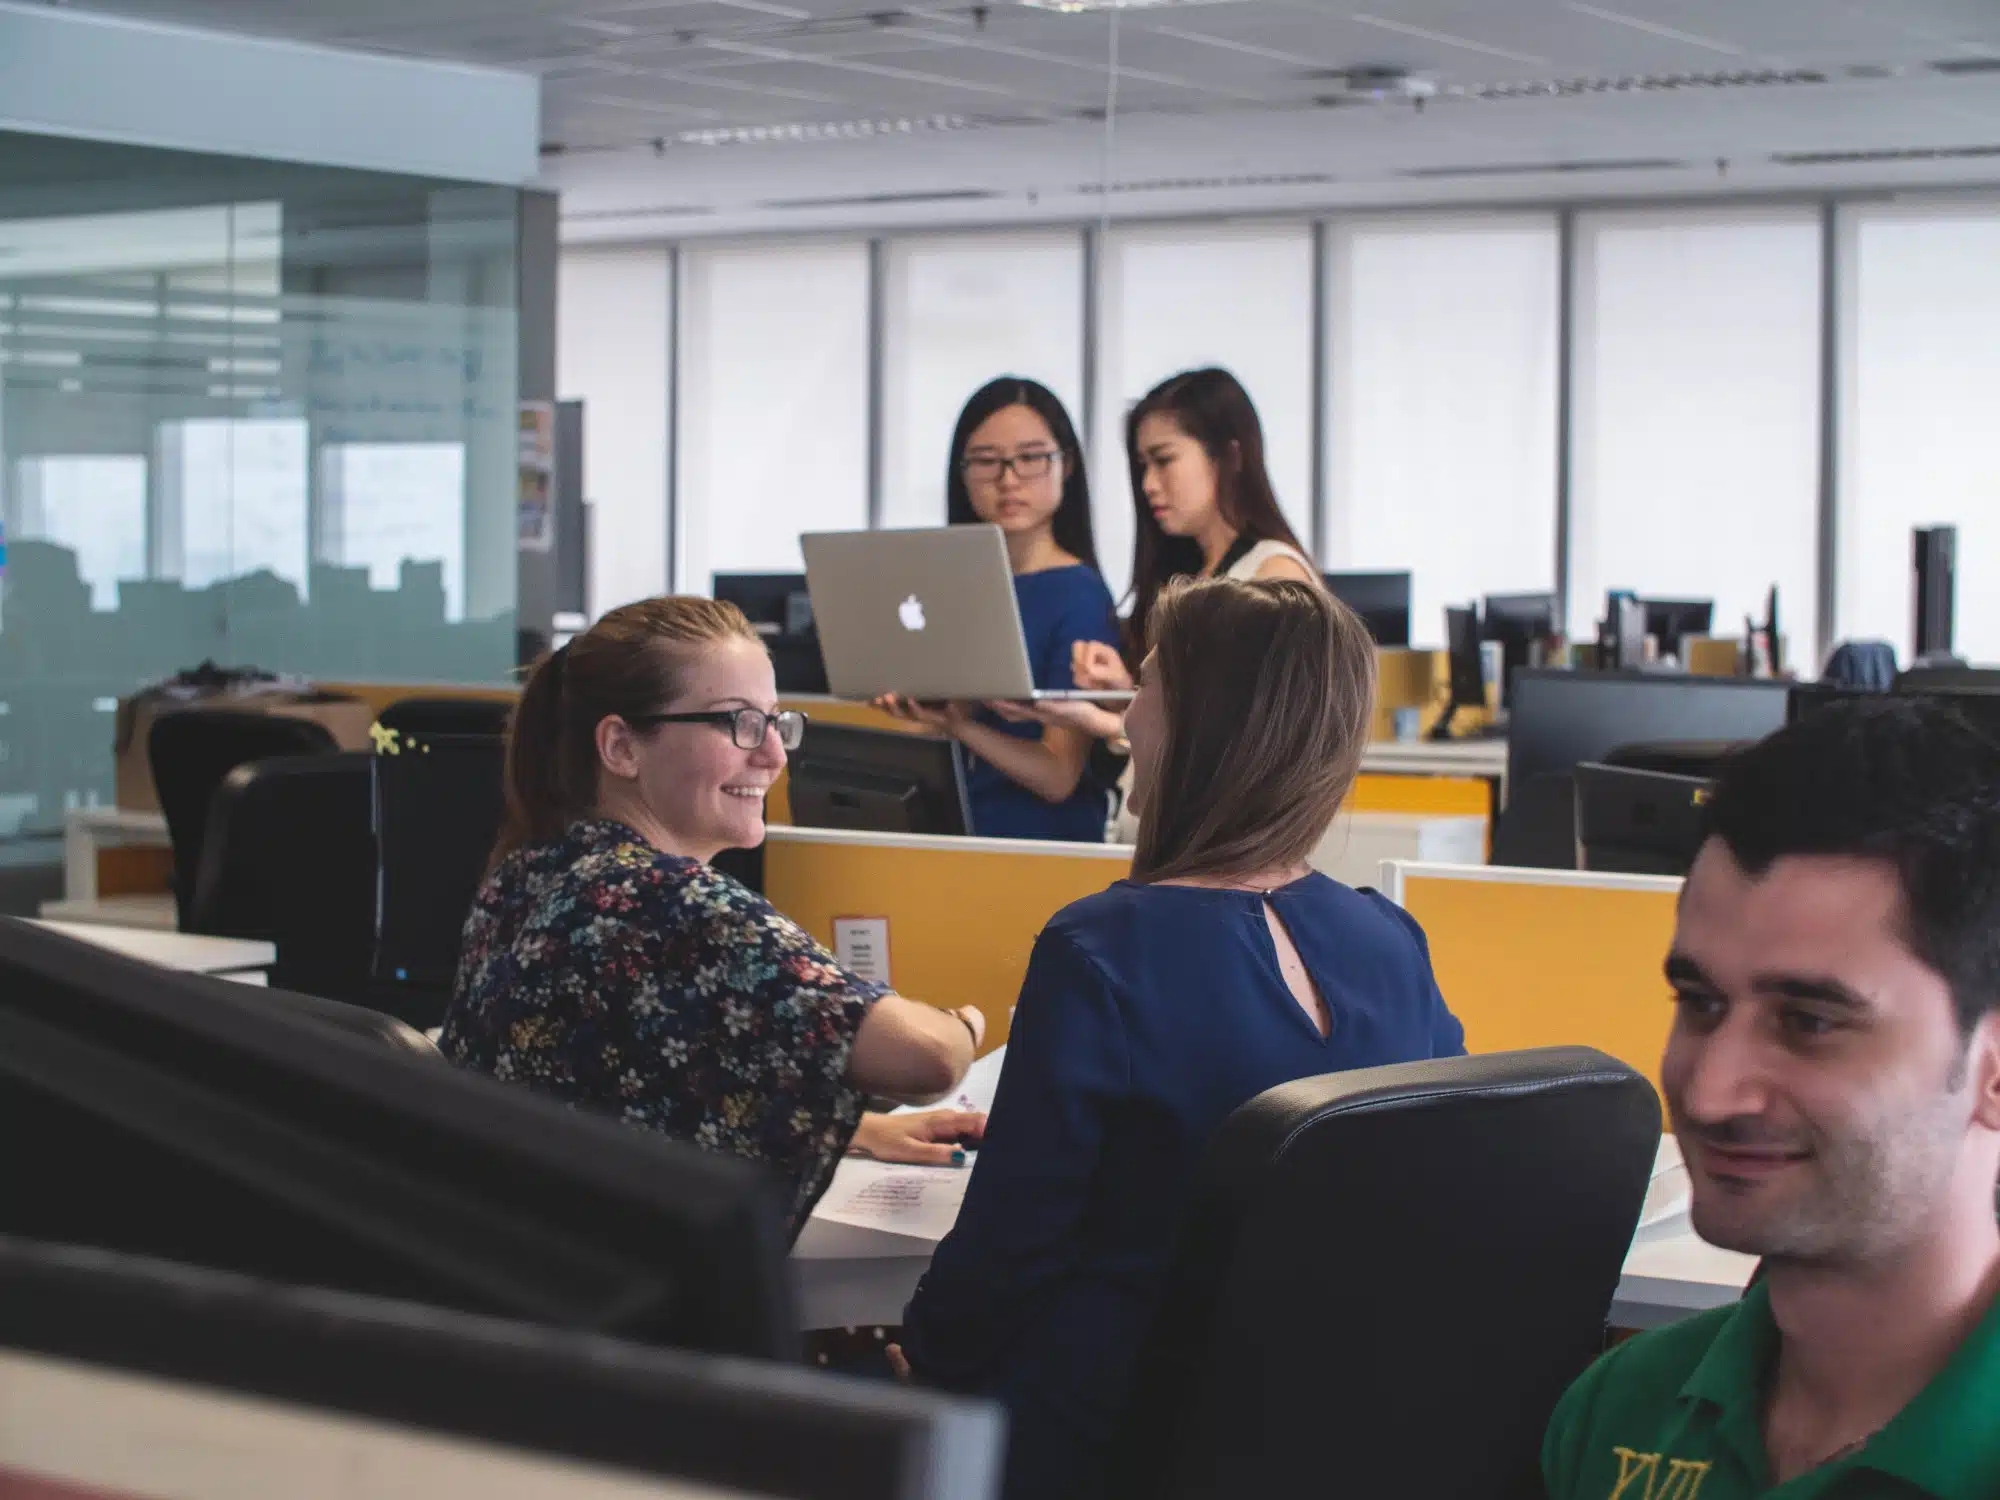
[1674,1414]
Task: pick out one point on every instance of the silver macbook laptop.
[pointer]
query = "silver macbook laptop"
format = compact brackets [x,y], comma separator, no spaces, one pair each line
[928,614]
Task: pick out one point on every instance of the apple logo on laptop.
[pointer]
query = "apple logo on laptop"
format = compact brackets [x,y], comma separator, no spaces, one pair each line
[911,613]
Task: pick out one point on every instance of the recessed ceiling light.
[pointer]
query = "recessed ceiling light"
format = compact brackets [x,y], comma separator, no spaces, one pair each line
[1078,7]
[836,130]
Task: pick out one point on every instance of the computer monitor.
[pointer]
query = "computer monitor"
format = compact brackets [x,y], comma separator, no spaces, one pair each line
[1381,599]
[1561,719]
[438,805]
[130,1376]
[1632,822]
[879,781]
[1519,622]
[1621,642]
[1670,621]
[186,1118]
[780,608]
[1466,672]
[1934,565]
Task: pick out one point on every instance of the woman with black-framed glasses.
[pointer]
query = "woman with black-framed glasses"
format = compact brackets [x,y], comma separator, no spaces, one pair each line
[1016,464]
[608,963]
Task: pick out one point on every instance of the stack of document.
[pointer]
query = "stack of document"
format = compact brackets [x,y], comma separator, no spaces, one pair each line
[920,1203]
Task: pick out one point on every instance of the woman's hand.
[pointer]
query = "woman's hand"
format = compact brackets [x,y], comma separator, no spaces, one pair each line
[1093,719]
[935,1138]
[1094,665]
[944,718]
[899,1363]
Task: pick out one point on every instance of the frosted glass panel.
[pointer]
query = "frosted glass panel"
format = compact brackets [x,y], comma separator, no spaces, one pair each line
[1441,433]
[1920,415]
[234,499]
[386,504]
[774,404]
[957,312]
[95,507]
[1194,295]
[1697,414]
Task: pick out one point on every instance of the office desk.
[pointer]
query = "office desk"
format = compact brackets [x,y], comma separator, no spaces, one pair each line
[851,1277]
[1436,758]
[242,959]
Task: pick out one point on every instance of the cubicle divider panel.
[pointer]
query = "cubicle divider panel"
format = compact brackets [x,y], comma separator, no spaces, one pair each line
[959,916]
[1540,958]
[1458,796]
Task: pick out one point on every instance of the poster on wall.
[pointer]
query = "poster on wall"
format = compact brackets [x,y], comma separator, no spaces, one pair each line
[537,465]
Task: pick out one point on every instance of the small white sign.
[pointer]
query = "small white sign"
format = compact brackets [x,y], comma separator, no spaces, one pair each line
[862,946]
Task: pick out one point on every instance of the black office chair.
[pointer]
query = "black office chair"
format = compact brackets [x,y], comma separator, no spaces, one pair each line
[289,857]
[1387,1279]
[190,753]
[356,1021]
[422,716]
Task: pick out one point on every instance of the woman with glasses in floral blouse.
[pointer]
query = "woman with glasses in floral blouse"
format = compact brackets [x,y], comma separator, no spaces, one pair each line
[608,964]
[1016,464]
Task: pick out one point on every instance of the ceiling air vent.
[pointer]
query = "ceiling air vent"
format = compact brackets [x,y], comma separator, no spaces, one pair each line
[1641,83]
[1850,158]
[885,200]
[1958,67]
[1536,169]
[1204,184]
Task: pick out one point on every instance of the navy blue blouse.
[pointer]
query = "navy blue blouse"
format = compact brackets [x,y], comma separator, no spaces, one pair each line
[1059,607]
[1148,1015]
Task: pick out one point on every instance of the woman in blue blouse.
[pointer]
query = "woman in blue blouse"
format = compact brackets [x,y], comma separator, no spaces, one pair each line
[1225,966]
[1016,464]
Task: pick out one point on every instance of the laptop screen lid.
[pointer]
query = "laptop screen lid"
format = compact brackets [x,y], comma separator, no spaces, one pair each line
[927,613]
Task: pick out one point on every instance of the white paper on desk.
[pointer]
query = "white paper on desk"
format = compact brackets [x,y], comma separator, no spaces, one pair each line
[1669,1193]
[981,1082]
[921,1202]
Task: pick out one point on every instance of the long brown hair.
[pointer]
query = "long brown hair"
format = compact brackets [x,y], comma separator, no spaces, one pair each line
[1211,407]
[1269,689]
[633,661]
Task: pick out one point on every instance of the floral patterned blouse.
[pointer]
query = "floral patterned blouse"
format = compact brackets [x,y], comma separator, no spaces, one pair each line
[615,977]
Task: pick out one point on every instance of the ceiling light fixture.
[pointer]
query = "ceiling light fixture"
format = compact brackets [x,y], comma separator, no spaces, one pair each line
[1079,7]
[837,130]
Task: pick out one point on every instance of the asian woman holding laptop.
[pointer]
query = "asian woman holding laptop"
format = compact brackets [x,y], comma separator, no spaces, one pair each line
[1223,967]
[1016,464]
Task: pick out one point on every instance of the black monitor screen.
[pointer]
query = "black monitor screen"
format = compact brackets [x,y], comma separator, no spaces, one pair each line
[1381,599]
[438,803]
[878,781]
[1668,621]
[1517,621]
[200,1121]
[1631,822]
[779,606]
[1561,719]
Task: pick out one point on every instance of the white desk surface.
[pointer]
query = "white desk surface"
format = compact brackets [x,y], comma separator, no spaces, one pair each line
[129,823]
[154,913]
[190,952]
[1441,758]
[848,1276]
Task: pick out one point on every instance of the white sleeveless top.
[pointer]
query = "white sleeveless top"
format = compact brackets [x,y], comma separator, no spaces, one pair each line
[1125,827]
[1248,565]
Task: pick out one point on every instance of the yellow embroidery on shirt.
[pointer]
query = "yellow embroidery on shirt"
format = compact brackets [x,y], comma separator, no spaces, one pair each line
[1683,1479]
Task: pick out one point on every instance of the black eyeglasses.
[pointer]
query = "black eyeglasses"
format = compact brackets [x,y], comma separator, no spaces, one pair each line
[986,468]
[747,726]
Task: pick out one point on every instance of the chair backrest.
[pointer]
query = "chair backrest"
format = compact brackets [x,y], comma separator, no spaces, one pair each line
[1389,1276]
[289,856]
[191,751]
[424,716]
[357,1020]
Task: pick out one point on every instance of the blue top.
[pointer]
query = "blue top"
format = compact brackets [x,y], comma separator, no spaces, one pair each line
[1148,1015]
[1059,607]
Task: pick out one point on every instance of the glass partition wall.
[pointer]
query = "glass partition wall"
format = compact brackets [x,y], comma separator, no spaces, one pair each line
[255,414]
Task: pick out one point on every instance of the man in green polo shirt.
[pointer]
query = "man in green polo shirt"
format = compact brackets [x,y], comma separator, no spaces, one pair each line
[1833,1076]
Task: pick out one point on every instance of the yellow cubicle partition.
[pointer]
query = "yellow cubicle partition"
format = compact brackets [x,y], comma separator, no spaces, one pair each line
[1541,958]
[962,913]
